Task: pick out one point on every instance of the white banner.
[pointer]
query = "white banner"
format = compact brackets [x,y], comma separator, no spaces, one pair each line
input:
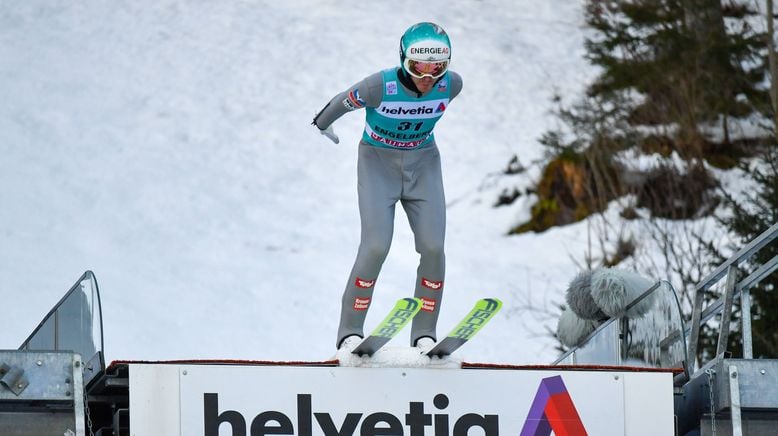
[313,401]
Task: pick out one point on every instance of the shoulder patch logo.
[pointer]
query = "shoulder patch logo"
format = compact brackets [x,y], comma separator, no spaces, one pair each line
[356,99]
[353,101]
[443,85]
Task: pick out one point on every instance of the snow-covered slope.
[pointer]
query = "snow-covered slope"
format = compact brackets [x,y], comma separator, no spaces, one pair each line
[166,146]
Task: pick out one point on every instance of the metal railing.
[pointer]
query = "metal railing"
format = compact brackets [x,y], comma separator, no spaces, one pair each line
[734,288]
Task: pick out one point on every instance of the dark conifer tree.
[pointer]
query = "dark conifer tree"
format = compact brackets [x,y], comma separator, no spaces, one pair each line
[689,65]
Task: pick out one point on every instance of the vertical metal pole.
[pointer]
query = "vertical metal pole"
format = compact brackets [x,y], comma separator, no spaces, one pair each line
[734,401]
[56,329]
[79,395]
[694,338]
[745,311]
[726,313]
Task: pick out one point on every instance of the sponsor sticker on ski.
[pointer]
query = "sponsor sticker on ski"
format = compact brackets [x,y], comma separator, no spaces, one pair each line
[401,314]
[397,319]
[472,323]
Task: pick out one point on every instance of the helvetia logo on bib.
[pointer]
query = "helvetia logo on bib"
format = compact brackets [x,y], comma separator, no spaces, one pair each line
[408,110]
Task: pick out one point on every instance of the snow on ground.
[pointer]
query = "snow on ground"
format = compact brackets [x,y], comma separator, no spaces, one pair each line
[167,146]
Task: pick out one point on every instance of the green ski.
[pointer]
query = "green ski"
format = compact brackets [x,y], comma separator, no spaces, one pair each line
[484,310]
[402,313]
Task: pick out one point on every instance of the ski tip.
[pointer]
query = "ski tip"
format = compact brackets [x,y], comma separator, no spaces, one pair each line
[411,304]
[489,304]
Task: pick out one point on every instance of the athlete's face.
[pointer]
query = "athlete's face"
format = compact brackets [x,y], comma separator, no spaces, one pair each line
[424,84]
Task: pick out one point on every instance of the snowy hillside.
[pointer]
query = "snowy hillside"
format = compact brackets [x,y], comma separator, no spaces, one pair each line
[166,145]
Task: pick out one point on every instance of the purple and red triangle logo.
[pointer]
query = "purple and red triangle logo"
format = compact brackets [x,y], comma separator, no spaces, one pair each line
[553,409]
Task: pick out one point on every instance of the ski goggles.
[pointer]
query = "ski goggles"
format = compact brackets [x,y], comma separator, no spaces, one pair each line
[420,69]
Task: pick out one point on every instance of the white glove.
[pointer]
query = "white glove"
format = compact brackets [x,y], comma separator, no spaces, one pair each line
[328,132]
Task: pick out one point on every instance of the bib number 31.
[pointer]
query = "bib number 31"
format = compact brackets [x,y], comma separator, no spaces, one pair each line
[406,125]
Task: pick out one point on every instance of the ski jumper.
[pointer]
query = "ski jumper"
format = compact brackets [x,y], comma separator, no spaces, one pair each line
[398,160]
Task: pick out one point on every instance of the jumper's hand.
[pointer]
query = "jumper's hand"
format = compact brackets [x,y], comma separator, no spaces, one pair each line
[330,133]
